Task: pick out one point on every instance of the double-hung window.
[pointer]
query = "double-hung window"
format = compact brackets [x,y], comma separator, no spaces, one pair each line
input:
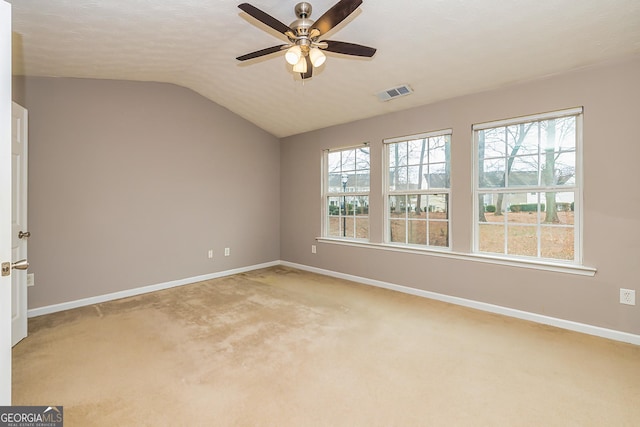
[346,193]
[417,190]
[527,186]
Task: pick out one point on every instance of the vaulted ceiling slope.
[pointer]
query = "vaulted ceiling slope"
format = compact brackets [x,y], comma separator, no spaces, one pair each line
[442,49]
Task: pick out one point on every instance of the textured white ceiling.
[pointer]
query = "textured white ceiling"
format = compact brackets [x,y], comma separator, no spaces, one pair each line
[441,48]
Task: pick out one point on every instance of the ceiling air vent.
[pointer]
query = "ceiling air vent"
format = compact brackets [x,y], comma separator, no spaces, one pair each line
[394,92]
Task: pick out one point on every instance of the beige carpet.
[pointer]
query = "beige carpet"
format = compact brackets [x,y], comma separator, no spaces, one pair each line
[281,347]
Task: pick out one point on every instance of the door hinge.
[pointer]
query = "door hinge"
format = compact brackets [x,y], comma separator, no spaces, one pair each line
[6,268]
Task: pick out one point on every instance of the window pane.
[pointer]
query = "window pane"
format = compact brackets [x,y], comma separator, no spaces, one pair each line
[397,178]
[564,168]
[438,206]
[522,240]
[558,134]
[393,155]
[400,178]
[391,180]
[349,226]
[348,160]
[557,243]
[353,204]
[492,143]
[522,207]
[397,231]
[362,182]
[438,176]
[491,238]
[412,206]
[398,154]
[335,182]
[334,228]
[334,205]
[523,139]
[362,159]
[492,173]
[523,171]
[333,159]
[558,168]
[362,227]
[396,206]
[439,233]
[518,142]
[417,232]
[491,207]
[566,134]
[414,176]
[348,170]
[438,148]
[558,207]
[362,205]
[422,201]
[416,151]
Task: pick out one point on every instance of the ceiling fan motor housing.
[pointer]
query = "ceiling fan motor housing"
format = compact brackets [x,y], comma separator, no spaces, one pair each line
[303,24]
[302,27]
[303,10]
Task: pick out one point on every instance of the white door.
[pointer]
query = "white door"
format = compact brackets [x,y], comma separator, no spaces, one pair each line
[19,230]
[5,202]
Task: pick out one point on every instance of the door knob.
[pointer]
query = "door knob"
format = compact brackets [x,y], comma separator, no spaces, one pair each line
[24,235]
[23,264]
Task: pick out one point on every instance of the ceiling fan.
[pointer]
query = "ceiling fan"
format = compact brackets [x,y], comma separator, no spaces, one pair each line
[304,50]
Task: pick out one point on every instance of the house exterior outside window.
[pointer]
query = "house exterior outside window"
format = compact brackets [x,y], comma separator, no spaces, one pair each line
[346,193]
[527,192]
[417,190]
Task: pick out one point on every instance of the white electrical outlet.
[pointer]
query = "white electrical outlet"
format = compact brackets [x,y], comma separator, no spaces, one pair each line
[210,254]
[30,279]
[627,296]
[313,249]
[227,251]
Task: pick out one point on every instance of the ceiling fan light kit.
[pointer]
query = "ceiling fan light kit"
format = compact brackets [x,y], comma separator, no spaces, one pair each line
[293,55]
[301,66]
[317,57]
[304,35]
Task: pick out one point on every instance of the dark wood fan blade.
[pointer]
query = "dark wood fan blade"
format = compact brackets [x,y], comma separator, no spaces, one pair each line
[261,52]
[309,72]
[265,18]
[336,15]
[349,48]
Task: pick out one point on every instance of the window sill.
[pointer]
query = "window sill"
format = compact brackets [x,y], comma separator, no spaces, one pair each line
[488,259]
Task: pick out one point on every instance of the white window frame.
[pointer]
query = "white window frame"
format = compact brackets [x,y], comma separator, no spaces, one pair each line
[387,193]
[577,188]
[326,193]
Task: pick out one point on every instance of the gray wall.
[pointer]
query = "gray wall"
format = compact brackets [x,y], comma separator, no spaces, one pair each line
[609,94]
[131,183]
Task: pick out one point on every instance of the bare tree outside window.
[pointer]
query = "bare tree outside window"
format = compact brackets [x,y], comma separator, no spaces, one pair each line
[347,185]
[527,187]
[417,193]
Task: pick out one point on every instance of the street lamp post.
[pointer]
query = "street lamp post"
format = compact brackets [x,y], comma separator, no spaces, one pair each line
[345,178]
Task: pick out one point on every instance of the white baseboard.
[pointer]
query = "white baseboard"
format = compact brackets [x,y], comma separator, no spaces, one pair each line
[525,315]
[142,290]
[519,314]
